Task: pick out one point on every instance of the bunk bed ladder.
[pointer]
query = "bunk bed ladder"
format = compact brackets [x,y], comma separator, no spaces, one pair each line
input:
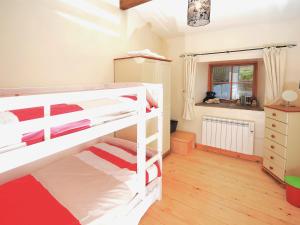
[159,137]
[160,134]
[141,143]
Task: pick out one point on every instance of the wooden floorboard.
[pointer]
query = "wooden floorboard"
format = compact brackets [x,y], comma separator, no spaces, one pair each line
[205,188]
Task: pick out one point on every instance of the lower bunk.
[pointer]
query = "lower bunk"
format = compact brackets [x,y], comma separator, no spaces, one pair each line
[97,186]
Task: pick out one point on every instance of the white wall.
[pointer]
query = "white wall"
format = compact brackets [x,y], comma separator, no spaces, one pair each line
[201,81]
[231,38]
[66,42]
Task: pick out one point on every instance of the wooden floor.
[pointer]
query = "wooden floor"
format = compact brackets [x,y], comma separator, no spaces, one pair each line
[207,188]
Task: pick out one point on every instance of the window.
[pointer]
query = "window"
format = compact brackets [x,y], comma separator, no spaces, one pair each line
[231,81]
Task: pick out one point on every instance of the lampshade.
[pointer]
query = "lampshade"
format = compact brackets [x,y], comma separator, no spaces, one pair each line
[198,13]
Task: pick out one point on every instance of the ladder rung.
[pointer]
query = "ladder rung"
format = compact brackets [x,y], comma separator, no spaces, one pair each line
[151,138]
[151,161]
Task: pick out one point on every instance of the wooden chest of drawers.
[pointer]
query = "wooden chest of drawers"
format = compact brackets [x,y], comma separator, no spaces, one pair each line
[282,141]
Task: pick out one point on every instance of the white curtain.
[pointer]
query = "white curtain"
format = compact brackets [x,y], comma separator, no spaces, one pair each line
[275,63]
[190,68]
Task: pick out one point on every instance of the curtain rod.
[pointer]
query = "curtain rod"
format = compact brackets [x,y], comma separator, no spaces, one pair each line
[239,50]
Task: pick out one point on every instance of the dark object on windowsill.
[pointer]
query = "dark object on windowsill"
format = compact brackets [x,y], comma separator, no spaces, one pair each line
[248,100]
[173,125]
[209,95]
[254,103]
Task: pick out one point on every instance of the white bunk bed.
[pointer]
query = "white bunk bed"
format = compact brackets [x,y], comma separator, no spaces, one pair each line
[134,114]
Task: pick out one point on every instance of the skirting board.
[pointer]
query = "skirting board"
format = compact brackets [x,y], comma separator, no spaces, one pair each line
[206,148]
[166,153]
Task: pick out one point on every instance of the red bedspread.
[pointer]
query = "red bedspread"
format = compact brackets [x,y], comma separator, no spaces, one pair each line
[26,202]
[38,112]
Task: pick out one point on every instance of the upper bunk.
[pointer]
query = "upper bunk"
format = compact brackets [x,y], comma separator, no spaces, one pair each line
[36,126]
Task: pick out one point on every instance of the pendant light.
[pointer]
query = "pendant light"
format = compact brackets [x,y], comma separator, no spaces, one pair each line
[198,13]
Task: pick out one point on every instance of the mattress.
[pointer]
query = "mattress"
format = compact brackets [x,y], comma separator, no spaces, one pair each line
[98,182]
[14,138]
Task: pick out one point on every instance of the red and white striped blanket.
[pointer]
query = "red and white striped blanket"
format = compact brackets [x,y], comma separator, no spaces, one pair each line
[12,137]
[124,158]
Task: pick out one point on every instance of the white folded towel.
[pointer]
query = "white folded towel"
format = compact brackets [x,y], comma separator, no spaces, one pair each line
[145,52]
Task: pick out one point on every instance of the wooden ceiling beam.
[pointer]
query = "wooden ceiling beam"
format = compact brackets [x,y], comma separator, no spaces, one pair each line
[127,4]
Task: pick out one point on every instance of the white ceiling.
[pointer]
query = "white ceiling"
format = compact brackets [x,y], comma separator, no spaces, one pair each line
[169,17]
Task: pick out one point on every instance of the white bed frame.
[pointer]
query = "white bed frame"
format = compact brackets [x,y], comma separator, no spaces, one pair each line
[25,155]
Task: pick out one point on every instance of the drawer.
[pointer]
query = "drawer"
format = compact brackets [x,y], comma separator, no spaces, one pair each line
[274,169]
[278,149]
[276,115]
[277,126]
[274,158]
[276,137]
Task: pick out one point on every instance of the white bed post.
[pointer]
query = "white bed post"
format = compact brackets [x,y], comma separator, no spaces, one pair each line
[160,134]
[141,142]
[47,129]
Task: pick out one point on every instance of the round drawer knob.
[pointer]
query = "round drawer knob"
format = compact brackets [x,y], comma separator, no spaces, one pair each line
[272,136]
[272,146]
[273,125]
[271,167]
[273,114]
[271,157]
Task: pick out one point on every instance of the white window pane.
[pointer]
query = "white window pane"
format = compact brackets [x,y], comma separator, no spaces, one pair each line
[242,89]
[222,91]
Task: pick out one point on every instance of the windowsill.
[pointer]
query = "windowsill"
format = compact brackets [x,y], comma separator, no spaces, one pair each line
[230,106]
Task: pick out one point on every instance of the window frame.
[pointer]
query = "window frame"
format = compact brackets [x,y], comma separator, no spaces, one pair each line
[232,64]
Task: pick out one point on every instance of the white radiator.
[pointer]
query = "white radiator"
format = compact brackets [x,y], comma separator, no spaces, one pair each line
[228,134]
